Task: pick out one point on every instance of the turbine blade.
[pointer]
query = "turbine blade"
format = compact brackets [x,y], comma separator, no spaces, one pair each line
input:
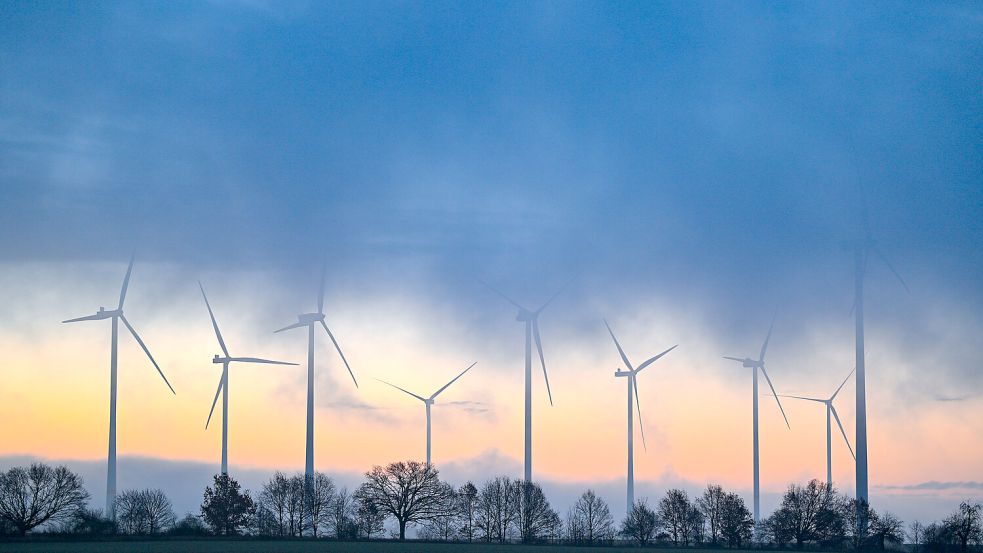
[805,398]
[337,347]
[435,394]
[782,409]
[218,333]
[221,383]
[764,346]
[402,390]
[739,360]
[126,282]
[85,318]
[288,327]
[147,351]
[638,407]
[883,257]
[840,424]
[620,351]
[842,384]
[553,297]
[654,359]
[500,293]
[258,360]
[542,359]
[320,291]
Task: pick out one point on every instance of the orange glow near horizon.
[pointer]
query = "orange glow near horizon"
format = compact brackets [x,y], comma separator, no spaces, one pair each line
[696,409]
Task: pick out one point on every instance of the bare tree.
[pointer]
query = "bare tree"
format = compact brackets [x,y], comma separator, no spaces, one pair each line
[410,491]
[888,528]
[498,508]
[734,521]
[710,505]
[915,532]
[275,498]
[809,513]
[295,505]
[675,511]
[129,512]
[343,514]
[641,524]
[39,494]
[965,524]
[590,519]
[369,519]
[318,502]
[144,511]
[467,506]
[445,526]
[537,519]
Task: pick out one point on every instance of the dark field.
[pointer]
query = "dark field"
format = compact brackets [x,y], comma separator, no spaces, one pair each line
[279,546]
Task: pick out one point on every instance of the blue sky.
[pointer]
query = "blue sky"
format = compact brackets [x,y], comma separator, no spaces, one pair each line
[708,155]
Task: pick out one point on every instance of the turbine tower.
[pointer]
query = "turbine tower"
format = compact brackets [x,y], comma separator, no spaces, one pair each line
[223,382]
[311,320]
[830,410]
[117,315]
[757,365]
[862,248]
[631,375]
[428,401]
[531,320]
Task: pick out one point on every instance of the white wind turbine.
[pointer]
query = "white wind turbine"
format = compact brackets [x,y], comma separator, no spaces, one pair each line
[311,320]
[830,410]
[757,365]
[117,315]
[428,401]
[631,375]
[862,248]
[223,382]
[531,320]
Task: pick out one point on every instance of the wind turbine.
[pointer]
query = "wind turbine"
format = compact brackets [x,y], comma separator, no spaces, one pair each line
[631,375]
[223,382]
[830,410]
[428,401]
[862,248]
[117,315]
[757,365]
[311,320]
[531,320]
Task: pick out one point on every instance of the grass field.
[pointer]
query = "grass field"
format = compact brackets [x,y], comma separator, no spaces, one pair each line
[264,546]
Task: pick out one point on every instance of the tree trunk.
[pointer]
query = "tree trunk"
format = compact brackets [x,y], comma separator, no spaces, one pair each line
[402,530]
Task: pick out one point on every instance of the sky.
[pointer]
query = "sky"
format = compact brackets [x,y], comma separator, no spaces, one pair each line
[687,170]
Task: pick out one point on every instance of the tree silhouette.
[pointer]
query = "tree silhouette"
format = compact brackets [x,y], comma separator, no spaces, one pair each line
[39,494]
[144,511]
[641,524]
[410,492]
[537,519]
[735,521]
[589,520]
[226,509]
[467,507]
[710,505]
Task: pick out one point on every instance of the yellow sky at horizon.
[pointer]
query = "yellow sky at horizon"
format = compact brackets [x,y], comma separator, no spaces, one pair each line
[696,407]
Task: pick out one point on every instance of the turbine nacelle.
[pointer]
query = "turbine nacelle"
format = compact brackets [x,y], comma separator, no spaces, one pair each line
[747,362]
[219,360]
[310,318]
[620,372]
[525,315]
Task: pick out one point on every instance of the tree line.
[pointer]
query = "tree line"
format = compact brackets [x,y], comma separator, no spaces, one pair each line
[42,498]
